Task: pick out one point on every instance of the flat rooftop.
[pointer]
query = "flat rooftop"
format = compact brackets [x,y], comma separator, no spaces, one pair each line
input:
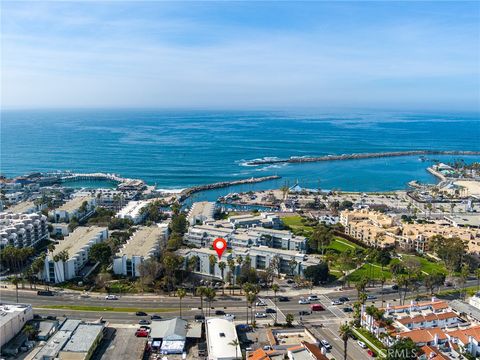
[21,207]
[83,337]
[211,229]
[220,334]
[77,239]
[10,311]
[74,204]
[205,208]
[267,249]
[144,239]
[465,219]
[132,208]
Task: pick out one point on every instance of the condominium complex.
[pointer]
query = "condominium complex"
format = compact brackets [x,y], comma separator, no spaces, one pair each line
[381,230]
[145,243]
[428,324]
[80,207]
[76,245]
[133,211]
[22,230]
[203,235]
[201,212]
[266,220]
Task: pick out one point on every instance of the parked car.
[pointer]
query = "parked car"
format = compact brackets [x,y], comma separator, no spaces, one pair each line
[317,307]
[326,344]
[395,287]
[347,309]
[260,315]
[313,298]
[141,333]
[371,353]
[261,303]
[199,318]
[230,316]
[111,297]
[267,348]
[371,297]
[303,301]
[270,311]
[337,302]
[283,298]
[141,313]
[219,312]
[290,281]
[144,322]
[303,312]
[156,317]
[361,344]
[343,299]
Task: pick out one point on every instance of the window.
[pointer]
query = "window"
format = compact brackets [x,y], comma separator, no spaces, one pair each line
[222,334]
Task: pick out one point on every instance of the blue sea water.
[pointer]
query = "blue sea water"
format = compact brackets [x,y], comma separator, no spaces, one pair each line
[177,149]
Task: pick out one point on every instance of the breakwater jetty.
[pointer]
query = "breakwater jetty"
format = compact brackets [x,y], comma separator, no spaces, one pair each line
[188,192]
[356,156]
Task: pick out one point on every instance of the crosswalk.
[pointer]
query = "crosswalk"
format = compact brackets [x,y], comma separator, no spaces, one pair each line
[327,304]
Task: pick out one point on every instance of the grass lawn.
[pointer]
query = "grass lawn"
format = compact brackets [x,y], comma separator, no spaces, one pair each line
[368,270]
[427,265]
[296,225]
[342,245]
[104,308]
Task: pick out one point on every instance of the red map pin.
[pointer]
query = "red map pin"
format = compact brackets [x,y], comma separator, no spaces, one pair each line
[219,245]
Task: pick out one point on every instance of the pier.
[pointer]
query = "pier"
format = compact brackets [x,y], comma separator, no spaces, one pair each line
[122,183]
[188,192]
[361,156]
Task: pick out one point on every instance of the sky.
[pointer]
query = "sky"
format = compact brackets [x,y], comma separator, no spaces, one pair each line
[241,55]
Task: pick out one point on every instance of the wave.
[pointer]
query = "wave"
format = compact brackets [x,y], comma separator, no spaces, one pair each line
[171,191]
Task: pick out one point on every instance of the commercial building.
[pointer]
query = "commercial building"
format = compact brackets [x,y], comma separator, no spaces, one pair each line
[76,245]
[200,212]
[22,230]
[80,207]
[12,320]
[74,340]
[170,336]
[145,243]
[221,336]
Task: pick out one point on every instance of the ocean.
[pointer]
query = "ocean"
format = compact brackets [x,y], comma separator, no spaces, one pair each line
[177,149]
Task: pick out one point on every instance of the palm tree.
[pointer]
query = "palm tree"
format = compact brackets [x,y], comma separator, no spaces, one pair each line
[477,273]
[15,282]
[212,260]
[222,265]
[247,288]
[210,295]
[231,267]
[201,291]
[275,289]
[345,334]
[236,344]
[181,293]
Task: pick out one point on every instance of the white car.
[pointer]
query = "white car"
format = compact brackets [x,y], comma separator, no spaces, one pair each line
[304,301]
[337,302]
[260,303]
[229,316]
[313,298]
[260,315]
[361,344]
[111,297]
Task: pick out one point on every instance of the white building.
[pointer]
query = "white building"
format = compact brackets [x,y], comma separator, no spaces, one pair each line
[220,334]
[12,320]
[144,244]
[475,300]
[24,207]
[22,230]
[73,208]
[268,220]
[280,239]
[77,246]
[133,211]
[203,235]
[201,212]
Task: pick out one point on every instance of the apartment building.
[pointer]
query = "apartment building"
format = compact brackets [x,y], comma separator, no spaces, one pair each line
[200,212]
[22,230]
[80,207]
[266,220]
[76,245]
[133,211]
[203,235]
[144,244]
[379,230]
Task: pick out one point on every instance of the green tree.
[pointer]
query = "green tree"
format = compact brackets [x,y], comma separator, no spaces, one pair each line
[231,268]
[30,331]
[317,273]
[275,289]
[236,344]
[289,320]
[101,253]
[451,251]
[222,265]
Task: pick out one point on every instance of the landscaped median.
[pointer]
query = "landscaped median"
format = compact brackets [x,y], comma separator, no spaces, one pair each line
[373,343]
[103,308]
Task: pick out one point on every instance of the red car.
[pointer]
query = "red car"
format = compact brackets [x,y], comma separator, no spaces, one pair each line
[317,307]
[371,353]
[141,333]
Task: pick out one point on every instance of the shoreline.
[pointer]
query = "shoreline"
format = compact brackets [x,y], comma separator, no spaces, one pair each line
[357,156]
